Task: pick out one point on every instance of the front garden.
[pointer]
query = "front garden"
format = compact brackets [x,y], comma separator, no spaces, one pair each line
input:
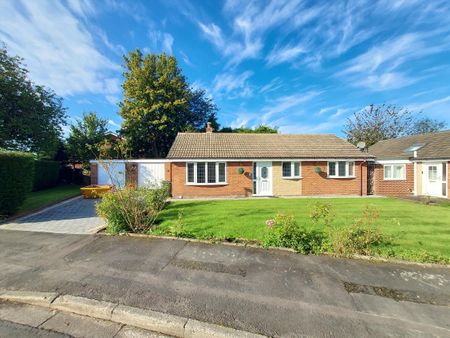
[385,227]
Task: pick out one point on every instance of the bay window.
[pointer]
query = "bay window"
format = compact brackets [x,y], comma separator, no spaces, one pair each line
[394,171]
[291,169]
[205,172]
[341,169]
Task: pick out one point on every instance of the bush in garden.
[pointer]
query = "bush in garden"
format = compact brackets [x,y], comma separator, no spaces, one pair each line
[133,209]
[46,174]
[362,237]
[16,180]
[283,231]
[322,212]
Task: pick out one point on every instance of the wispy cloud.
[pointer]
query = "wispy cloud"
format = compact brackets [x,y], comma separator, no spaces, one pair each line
[232,85]
[380,68]
[114,124]
[161,41]
[57,47]
[285,103]
[275,84]
[429,104]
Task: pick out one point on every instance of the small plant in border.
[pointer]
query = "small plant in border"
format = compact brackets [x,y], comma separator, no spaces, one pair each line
[283,231]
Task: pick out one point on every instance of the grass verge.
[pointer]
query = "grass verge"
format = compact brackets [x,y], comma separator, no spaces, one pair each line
[39,199]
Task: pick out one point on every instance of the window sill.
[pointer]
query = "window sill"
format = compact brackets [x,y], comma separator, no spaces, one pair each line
[394,179]
[207,184]
[292,178]
[342,177]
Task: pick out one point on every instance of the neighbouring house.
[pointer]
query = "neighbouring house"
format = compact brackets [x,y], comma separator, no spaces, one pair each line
[413,165]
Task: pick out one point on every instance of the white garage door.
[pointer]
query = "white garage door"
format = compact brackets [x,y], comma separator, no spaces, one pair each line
[150,174]
[112,173]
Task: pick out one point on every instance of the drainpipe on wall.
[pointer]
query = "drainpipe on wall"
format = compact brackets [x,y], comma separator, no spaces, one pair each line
[361,178]
[415,174]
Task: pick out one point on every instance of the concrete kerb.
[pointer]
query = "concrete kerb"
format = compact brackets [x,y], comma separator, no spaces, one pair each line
[141,318]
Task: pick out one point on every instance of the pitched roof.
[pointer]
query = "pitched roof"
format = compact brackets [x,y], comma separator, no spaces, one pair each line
[253,146]
[429,146]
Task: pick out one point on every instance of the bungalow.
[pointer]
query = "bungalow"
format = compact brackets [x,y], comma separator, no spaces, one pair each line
[413,165]
[234,164]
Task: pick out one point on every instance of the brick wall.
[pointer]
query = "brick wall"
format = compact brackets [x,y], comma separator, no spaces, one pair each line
[237,184]
[393,187]
[94,173]
[319,184]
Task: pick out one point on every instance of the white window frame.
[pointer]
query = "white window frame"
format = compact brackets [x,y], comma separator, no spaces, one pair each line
[392,166]
[292,163]
[336,175]
[206,173]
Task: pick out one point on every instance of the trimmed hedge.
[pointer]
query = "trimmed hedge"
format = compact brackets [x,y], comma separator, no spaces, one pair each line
[46,174]
[16,180]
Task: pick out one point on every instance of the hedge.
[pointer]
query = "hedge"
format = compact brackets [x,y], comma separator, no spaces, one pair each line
[16,180]
[46,174]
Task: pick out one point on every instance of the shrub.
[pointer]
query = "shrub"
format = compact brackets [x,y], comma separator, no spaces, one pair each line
[283,231]
[322,212]
[362,237]
[16,180]
[46,174]
[133,209]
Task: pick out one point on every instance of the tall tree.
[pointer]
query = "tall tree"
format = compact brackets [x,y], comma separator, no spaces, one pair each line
[261,129]
[85,138]
[158,103]
[426,125]
[31,115]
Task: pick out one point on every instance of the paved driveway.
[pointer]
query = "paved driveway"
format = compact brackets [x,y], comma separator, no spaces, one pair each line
[75,216]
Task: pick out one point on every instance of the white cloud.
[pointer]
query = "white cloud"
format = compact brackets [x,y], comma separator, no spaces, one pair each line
[284,54]
[380,68]
[275,84]
[114,124]
[429,104]
[58,49]
[232,85]
[285,103]
[83,8]
[161,41]
[112,99]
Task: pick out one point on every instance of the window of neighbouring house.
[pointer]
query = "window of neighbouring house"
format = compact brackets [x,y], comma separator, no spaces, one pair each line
[394,171]
[291,169]
[206,172]
[341,169]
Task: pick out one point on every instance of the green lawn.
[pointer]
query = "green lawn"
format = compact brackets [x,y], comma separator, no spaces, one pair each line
[412,226]
[39,199]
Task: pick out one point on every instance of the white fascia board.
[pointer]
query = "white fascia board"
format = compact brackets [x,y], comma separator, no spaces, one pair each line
[133,161]
[392,161]
[267,159]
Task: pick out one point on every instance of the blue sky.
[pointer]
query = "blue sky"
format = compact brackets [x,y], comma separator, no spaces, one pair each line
[304,66]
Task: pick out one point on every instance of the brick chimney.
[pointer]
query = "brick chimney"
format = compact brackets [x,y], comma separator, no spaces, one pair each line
[209,128]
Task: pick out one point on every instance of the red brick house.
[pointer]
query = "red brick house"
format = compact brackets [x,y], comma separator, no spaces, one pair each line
[413,165]
[234,164]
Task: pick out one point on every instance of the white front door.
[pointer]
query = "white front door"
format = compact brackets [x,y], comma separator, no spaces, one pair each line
[435,179]
[262,178]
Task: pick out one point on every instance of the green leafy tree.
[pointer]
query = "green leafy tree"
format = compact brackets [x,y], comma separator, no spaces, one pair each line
[86,137]
[386,121]
[261,129]
[426,125]
[31,116]
[158,103]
